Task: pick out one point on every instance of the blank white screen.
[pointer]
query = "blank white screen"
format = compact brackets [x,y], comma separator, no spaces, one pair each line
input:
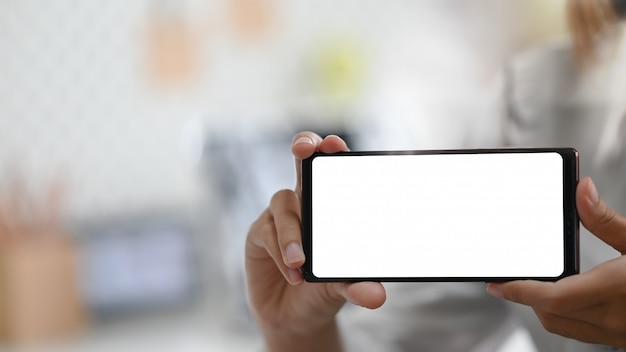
[445,215]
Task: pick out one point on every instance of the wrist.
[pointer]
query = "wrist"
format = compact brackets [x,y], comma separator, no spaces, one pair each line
[324,338]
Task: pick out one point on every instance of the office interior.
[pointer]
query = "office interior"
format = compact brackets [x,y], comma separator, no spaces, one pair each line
[140,139]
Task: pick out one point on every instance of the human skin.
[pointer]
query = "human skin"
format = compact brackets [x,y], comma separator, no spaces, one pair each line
[297,315]
[591,306]
[293,314]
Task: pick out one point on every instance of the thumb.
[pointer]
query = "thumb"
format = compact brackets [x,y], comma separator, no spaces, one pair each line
[598,217]
[366,294]
[303,145]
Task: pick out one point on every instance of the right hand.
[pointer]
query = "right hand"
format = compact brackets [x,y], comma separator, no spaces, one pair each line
[590,306]
[285,307]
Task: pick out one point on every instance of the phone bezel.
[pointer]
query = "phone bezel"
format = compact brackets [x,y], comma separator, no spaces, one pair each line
[570,216]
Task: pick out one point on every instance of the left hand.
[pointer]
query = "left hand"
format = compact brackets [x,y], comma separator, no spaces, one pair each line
[591,306]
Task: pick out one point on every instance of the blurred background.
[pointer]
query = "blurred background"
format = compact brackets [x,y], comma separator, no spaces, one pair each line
[140,139]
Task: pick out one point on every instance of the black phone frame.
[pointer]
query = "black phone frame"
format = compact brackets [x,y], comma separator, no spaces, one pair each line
[571,224]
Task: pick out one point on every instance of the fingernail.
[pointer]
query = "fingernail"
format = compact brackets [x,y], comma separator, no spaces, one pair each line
[495,290]
[294,276]
[293,253]
[303,139]
[593,193]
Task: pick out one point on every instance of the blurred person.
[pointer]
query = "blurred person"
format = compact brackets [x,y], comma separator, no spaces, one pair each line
[560,95]
[575,94]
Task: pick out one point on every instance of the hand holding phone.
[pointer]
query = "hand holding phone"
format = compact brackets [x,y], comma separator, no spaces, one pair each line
[292,314]
[452,215]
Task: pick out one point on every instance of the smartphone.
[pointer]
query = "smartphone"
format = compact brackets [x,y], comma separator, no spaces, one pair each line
[440,215]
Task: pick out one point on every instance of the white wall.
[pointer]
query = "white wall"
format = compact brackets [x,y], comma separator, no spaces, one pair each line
[77,98]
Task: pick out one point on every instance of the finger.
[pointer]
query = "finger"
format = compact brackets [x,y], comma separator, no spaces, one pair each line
[263,239]
[579,330]
[526,292]
[563,297]
[307,143]
[365,294]
[599,218]
[601,301]
[561,314]
[304,144]
[333,144]
[285,209]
